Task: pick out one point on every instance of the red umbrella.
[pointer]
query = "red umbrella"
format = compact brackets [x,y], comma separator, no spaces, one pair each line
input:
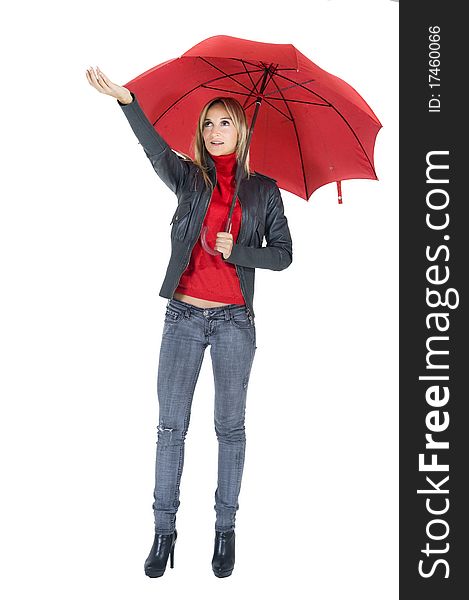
[313,128]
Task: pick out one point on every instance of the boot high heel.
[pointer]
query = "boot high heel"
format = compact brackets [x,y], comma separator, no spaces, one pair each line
[163,547]
[224,553]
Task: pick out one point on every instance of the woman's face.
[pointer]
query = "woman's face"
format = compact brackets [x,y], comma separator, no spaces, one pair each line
[220,135]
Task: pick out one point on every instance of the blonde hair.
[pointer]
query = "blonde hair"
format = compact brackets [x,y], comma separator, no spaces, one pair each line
[238,117]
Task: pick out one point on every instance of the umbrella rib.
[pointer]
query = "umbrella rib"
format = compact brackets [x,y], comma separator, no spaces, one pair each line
[278,110]
[248,73]
[248,105]
[300,101]
[193,90]
[301,85]
[253,64]
[272,106]
[255,84]
[288,87]
[341,116]
[297,140]
[217,89]
[226,74]
[272,72]
[253,91]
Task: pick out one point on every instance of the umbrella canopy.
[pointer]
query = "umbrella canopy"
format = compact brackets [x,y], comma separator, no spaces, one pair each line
[312,128]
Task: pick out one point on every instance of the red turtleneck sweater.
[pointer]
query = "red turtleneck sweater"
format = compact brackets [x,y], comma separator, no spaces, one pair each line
[206,276]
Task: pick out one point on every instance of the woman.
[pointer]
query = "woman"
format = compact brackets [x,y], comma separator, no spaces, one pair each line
[210,303]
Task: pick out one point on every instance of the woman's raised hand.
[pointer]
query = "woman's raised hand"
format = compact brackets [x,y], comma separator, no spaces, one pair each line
[104,85]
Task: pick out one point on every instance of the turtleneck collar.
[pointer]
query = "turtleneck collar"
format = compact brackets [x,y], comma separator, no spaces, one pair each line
[225,164]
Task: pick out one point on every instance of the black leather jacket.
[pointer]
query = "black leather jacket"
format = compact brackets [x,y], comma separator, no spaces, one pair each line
[261,208]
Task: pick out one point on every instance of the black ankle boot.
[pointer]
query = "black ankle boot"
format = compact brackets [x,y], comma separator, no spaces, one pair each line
[163,546]
[224,554]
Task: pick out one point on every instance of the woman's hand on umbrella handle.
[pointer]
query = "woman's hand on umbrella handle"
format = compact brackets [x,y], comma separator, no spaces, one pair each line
[103,84]
[224,243]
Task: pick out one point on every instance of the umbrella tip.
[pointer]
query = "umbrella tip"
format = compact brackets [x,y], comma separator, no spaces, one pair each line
[339,192]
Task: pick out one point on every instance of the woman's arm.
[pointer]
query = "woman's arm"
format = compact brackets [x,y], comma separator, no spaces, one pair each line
[167,164]
[277,255]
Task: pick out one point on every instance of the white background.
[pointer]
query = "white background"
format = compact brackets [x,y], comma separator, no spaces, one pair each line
[84,245]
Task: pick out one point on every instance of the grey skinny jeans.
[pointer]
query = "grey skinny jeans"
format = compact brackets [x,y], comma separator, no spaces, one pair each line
[230,332]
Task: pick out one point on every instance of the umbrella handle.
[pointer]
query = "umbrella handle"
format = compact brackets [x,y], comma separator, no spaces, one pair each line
[203,241]
[203,238]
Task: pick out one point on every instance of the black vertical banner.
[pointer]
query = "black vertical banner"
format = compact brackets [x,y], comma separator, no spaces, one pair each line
[434,257]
